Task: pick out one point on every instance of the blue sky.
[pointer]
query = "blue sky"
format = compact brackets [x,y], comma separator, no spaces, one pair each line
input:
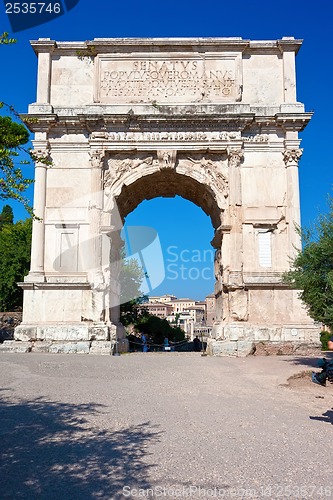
[311,21]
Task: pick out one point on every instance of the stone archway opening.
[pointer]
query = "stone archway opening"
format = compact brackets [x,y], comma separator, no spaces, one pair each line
[168,183]
[177,258]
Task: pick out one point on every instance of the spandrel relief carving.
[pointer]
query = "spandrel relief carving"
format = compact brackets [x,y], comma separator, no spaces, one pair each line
[119,164]
[211,166]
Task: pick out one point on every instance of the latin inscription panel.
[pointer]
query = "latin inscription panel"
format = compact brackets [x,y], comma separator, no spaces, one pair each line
[167,79]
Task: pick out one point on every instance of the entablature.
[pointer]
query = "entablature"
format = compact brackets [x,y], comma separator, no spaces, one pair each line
[188,118]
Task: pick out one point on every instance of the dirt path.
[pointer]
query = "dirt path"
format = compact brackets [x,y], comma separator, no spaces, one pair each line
[163,425]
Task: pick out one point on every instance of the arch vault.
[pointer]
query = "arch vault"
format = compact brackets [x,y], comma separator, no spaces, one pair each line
[214,120]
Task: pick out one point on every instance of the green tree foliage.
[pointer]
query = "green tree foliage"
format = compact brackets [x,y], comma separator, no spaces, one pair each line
[15,244]
[6,216]
[5,40]
[132,312]
[131,278]
[158,329]
[13,137]
[312,269]
[132,299]
[12,182]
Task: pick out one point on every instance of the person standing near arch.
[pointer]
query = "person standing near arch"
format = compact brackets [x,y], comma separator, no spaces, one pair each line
[144,343]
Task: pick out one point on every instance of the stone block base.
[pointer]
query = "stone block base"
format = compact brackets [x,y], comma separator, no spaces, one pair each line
[247,332]
[80,332]
[230,348]
[241,348]
[101,348]
[69,347]
[13,346]
[243,338]
[285,348]
[65,347]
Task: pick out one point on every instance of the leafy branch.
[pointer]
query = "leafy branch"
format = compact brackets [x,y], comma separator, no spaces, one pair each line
[13,137]
[5,40]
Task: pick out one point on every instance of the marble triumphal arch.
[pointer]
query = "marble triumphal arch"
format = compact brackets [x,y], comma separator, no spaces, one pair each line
[215,120]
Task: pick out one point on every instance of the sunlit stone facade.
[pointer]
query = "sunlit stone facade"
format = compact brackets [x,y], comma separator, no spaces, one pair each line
[214,120]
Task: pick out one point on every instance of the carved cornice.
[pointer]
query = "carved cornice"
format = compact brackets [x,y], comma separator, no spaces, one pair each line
[163,120]
[293,121]
[39,122]
[108,45]
[43,45]
[99,120]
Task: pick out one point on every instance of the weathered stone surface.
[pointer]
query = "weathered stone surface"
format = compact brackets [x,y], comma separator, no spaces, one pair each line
[41,346]
[70,347]
[99,333]
[64,333]
[14,346]
[101,347]
[240,348]
[287,348]
[265,334]
[234,332]
[221,348]
[25,333]
[245,348]
[239,305]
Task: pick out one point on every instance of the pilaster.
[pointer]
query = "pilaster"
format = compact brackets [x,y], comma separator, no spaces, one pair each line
[36,273]
[45,49]
[235,158]
[291,158]
[95,210]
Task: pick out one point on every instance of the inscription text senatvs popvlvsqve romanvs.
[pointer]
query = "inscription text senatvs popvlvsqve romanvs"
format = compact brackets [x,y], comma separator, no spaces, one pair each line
[167,78]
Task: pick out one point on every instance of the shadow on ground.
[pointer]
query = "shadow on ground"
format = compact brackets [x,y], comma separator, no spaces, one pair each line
[326,417]
[49,450]
[313,361]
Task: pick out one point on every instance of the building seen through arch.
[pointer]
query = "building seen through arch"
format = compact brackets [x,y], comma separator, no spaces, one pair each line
[214,120]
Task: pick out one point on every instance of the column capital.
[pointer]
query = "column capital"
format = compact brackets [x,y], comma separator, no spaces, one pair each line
[97,158]
[235,157]
[292,156]
[41,155]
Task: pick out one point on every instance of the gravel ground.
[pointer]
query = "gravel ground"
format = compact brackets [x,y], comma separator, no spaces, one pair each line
[163,425]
